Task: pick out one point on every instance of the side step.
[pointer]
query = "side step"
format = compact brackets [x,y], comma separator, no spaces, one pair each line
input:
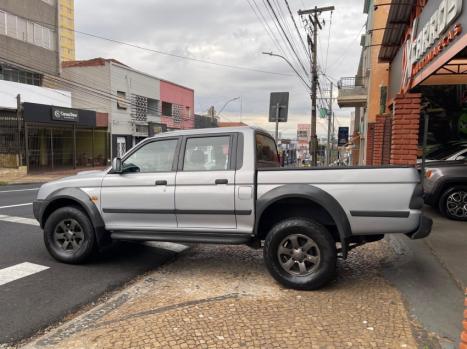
[191,236]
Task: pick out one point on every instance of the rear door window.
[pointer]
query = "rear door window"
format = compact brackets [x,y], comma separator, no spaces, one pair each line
[266,152]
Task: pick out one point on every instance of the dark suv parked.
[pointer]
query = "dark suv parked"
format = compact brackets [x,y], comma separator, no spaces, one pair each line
[445,187]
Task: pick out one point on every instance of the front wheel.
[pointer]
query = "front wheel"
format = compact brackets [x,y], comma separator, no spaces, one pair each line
[69,235]
[300,254]
[453,203]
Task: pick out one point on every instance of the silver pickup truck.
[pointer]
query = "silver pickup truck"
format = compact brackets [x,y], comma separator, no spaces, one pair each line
[225,186]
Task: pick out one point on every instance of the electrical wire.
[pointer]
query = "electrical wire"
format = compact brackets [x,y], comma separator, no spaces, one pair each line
[287,38]
[193,59]
[298,32]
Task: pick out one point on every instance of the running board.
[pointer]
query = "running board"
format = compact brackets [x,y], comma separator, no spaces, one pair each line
[192,236]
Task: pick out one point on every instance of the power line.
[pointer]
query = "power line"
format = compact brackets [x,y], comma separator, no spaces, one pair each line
[230,66]
[290,54]
[329,40]
[287,38]
[298,32]
[265,24]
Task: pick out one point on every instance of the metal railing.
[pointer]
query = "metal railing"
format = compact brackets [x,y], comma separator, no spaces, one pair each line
[351,82]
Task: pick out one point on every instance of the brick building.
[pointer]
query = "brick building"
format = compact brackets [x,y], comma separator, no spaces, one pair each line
[412,69]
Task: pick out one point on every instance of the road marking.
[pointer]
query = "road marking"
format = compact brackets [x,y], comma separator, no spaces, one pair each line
[19,271]
[16,205]
[22,220]
[171,246]
[11,191]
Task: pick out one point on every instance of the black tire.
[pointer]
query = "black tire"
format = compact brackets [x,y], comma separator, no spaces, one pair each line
[69,235]
[320,272]
[448,205]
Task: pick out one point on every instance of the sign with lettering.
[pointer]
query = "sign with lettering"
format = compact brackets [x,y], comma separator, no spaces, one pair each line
[65,114]
[424,44]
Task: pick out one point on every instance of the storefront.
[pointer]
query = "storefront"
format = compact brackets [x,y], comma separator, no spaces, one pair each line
[427,79]
[61,138]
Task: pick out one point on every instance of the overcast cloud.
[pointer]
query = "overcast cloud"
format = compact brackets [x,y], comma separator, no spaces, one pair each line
[224,31]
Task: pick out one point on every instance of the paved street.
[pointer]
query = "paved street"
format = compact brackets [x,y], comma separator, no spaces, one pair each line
[35,290]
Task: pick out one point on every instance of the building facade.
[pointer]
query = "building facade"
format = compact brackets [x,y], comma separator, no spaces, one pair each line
[67,30]
[28,38]
[416,72]
[138,105]
[303,141]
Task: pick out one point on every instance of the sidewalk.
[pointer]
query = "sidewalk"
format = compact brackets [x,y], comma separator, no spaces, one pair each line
[6,177]
[448,242]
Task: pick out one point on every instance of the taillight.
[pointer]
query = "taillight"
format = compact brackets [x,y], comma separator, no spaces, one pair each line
[428,174]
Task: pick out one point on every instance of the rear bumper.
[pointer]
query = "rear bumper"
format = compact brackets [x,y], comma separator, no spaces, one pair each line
[423,230]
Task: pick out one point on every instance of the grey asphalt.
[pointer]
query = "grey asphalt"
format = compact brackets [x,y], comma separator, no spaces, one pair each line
[35,302]
[431,274]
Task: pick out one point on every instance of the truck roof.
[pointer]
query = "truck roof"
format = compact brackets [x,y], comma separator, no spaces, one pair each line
[213,130]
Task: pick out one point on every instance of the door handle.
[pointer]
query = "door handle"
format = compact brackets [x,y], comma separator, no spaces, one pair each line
[161,182]
[222,181]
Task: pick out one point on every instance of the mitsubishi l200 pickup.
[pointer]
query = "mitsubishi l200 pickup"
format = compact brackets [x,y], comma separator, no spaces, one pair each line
[225,186]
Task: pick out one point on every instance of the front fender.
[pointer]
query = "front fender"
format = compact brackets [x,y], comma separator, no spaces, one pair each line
[43,208]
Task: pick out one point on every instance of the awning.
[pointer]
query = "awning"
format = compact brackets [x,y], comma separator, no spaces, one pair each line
[396,25]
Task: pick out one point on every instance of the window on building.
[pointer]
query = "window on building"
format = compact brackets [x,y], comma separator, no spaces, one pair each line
[2,23]
[166,109]
[21,29]
[207,154]
[153,107]
[121,100]
[11,25]
[37,34]
[30,32]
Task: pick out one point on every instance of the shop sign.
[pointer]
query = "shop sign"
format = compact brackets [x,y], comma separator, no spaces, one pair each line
[65,114]
[420,50]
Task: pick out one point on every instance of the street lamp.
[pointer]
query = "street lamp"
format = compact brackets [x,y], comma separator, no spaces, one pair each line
[290,65]
[225,105]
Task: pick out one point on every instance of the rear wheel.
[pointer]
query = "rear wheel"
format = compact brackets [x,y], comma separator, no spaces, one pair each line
[69,235]
[453,203]
[300,254]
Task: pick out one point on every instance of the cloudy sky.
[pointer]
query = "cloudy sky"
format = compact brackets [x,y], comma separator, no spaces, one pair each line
[226,32]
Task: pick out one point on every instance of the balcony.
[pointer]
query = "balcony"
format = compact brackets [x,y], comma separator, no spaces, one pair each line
[353,92]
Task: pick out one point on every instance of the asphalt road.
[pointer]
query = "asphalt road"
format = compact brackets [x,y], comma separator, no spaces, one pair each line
[52,289]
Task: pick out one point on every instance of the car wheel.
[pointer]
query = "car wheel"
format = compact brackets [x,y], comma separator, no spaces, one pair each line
[453,203]
[300,254]
[69,235]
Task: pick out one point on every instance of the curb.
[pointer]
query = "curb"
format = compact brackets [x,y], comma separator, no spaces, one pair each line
[463,343]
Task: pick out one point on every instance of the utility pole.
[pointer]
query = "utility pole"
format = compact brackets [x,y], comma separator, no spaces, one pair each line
[313,46]
[328,148]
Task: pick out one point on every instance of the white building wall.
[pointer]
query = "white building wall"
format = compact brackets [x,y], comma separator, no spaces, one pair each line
[132,83]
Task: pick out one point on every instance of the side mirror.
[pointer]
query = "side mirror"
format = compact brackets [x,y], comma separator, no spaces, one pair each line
[117,165]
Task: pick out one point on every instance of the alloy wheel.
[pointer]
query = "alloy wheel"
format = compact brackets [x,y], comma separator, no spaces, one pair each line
[298,254]
[456,204]
[69,235]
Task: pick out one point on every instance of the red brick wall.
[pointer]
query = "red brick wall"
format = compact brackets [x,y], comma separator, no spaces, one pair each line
[378,140]
[463,344]
[387,140]
[370,139]
[405,127]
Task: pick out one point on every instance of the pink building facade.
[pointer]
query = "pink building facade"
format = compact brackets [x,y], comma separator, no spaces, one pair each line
[177,106]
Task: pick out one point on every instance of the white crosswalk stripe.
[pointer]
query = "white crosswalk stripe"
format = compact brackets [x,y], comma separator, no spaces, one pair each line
[17,205]
[22,220]
[19,271]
